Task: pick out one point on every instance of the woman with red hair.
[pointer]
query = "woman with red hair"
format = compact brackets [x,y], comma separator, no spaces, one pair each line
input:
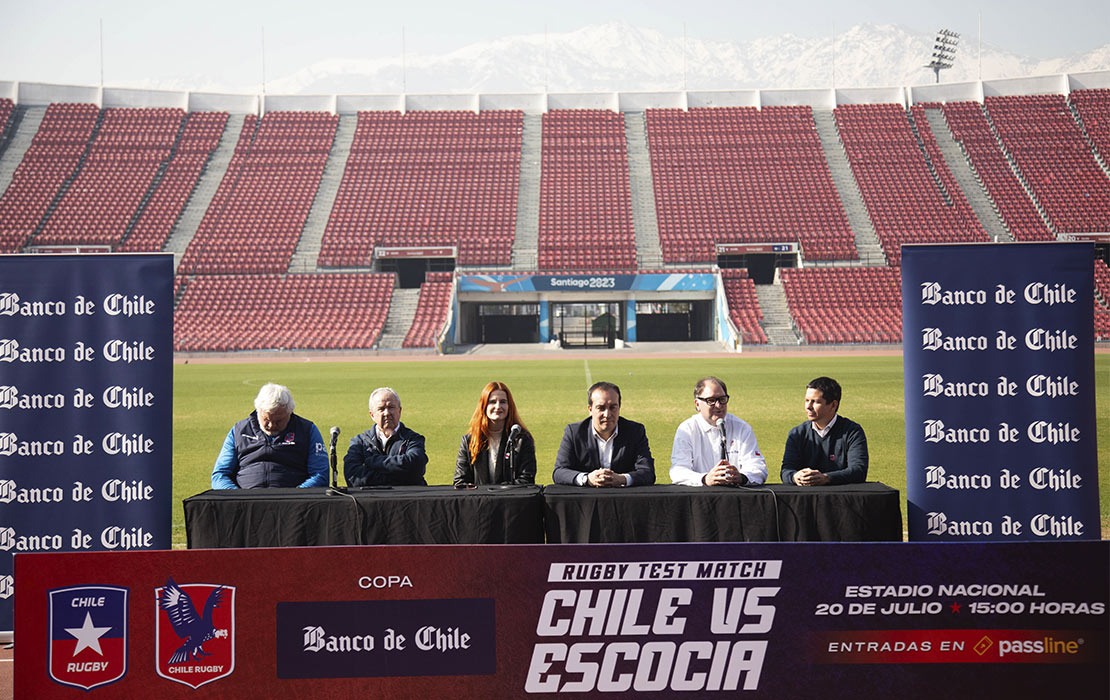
[483,450]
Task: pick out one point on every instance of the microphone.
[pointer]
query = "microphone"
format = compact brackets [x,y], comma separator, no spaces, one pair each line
[514,435]
[724,444]
[743,479]
[332,458]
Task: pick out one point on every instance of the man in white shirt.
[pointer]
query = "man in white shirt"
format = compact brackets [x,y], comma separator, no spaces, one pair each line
[714,447]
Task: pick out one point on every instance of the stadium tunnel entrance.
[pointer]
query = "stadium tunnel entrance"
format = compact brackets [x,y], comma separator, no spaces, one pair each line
[586,311]
[587,325]
[503,323]
[674,321]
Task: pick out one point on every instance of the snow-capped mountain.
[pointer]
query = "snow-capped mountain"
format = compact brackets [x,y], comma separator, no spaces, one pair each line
[622,57]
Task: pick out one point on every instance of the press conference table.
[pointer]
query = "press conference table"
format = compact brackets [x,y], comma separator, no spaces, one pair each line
[398,515]
[530,514]
[868,512]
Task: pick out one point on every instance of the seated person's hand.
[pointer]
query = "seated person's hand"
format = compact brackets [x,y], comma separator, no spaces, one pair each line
[724,474]
[605,478]
[810,477]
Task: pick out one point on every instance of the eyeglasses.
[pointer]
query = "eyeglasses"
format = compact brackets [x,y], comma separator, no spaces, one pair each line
[715,400]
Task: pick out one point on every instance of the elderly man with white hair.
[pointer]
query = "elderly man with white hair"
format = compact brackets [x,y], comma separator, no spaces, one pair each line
[388,454]
[273,447]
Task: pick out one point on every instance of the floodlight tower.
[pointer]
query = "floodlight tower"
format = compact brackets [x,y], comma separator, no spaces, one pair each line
[944,51]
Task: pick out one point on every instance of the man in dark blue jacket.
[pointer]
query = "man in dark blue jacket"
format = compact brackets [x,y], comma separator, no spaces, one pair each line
[605,449]
[388,454]
[827,448]
[273,447]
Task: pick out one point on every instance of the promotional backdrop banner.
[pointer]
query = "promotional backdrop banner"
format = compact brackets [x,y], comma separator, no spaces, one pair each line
[796,620]
[1000,392]
[86,379]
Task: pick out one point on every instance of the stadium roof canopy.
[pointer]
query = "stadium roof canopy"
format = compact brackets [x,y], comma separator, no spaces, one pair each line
[39,94]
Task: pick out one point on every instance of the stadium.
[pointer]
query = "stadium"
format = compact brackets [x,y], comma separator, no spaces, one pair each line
[409,225]
[748,218]
[435,241]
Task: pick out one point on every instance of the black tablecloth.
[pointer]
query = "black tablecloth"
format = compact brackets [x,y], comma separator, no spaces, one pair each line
[663,513]
[400,515]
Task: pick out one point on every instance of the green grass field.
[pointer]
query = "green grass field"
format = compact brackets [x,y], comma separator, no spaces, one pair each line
[439,396]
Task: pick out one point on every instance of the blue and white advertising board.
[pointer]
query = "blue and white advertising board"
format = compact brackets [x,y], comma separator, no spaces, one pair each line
[1000,392]
[86,399]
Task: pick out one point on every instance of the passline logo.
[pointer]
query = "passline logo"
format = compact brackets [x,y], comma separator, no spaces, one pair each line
[1047,646]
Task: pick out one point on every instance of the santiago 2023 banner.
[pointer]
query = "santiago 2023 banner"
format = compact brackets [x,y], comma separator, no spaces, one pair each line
[791,620]
[86,382]
[1000,392]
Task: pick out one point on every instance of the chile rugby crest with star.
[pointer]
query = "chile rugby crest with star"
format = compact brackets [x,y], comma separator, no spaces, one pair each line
[195,632]
[88,635]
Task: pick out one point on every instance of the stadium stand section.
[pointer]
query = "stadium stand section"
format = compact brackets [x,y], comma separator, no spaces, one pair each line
[198,139]
[909,192]
[743,175]
[431,310]
[585,202]
[1092,107]
[969,126]
[55,153]
[845,304]
[256,218]
[1102,300]
[743,305]
[1040,133]
[428,179]
[323,311]
[123,158]
[120,178]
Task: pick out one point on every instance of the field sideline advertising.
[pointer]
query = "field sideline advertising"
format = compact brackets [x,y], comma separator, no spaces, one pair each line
[86,400]
[916,620]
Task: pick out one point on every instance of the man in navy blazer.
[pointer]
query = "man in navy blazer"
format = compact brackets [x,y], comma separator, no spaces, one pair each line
[604,450]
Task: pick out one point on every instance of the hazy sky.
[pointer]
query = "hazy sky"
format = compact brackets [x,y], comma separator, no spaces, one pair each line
[58,41]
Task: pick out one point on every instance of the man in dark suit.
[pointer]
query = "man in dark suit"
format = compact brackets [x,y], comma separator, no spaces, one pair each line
[604,450]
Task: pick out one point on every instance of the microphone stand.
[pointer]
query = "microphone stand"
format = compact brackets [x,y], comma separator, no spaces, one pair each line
[510,462]
[332,462]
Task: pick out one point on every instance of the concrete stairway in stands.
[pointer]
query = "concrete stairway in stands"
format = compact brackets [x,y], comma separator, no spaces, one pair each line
[205,190]
[867,242]
[308,247]
[966,177]
[526,236]
[649,255]
[776,315]
[402,309]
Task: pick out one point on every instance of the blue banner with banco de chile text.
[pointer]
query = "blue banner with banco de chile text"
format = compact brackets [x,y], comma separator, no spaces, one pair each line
[86,382]
[1000,399]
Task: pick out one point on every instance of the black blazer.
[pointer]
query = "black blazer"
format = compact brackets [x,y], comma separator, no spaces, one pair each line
[631,453]
[524,456]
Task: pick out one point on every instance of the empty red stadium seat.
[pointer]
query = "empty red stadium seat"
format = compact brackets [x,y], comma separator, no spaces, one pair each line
[845,304]
[269,311]
[743,175]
